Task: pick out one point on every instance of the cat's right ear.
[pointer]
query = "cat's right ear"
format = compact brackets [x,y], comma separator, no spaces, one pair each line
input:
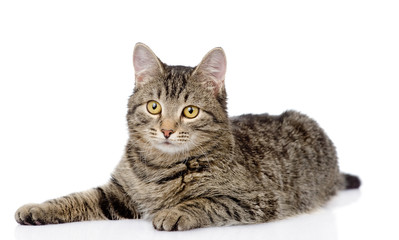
[146,64]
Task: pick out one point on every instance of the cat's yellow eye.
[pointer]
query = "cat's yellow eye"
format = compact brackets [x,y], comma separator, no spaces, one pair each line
[154,107]
[190,112]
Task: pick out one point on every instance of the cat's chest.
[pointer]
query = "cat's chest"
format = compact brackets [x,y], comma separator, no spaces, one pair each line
[163,188]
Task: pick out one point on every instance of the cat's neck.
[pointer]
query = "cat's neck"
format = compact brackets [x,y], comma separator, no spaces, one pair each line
[153,156]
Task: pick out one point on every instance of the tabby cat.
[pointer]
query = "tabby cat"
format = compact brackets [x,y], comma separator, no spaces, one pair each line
[188,165]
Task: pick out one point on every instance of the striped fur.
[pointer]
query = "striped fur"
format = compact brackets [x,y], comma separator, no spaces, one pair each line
[213,170]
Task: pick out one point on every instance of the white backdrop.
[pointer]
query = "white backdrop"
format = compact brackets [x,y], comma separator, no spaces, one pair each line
[66,74]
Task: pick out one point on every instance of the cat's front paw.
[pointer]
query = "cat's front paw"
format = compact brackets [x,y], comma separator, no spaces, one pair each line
[35,214]
[174,220]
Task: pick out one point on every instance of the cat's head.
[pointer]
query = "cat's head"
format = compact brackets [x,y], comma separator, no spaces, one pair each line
[176,109]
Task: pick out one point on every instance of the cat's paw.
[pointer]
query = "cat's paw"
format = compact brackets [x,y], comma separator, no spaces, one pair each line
[174,220]
[35,214]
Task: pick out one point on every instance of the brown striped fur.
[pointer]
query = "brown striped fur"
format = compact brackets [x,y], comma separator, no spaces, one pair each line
[211,170]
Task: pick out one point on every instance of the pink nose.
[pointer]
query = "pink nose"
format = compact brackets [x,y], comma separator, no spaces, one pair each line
[167,133]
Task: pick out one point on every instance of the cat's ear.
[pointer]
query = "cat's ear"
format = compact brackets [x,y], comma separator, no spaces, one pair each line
[146,64]
[212,70]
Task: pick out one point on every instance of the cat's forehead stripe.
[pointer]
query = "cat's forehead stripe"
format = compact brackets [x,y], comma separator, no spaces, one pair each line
[175,80]
[159,93]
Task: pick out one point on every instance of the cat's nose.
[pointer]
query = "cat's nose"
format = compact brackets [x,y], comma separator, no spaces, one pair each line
[167,133]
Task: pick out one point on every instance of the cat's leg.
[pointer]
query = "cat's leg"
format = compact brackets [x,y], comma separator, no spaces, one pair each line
[105,202]
[214,211]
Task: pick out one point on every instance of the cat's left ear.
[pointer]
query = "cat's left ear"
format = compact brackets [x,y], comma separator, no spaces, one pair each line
[146,64]
[212,69]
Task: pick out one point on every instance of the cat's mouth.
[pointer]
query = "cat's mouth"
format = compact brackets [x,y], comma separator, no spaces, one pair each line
[169,146]
[166,142]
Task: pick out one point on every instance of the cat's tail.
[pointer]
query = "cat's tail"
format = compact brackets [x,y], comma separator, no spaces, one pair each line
[349,181]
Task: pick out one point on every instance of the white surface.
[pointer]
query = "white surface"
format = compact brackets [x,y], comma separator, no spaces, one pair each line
[66,74]
[343,218]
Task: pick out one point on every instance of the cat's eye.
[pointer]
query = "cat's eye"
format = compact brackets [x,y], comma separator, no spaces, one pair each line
[154,107]
[190,112]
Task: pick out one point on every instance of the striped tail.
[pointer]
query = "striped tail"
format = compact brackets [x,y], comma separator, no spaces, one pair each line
[350,181]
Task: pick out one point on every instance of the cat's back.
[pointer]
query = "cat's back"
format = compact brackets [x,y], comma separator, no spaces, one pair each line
[263,135]
[286,152]
[290,125]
